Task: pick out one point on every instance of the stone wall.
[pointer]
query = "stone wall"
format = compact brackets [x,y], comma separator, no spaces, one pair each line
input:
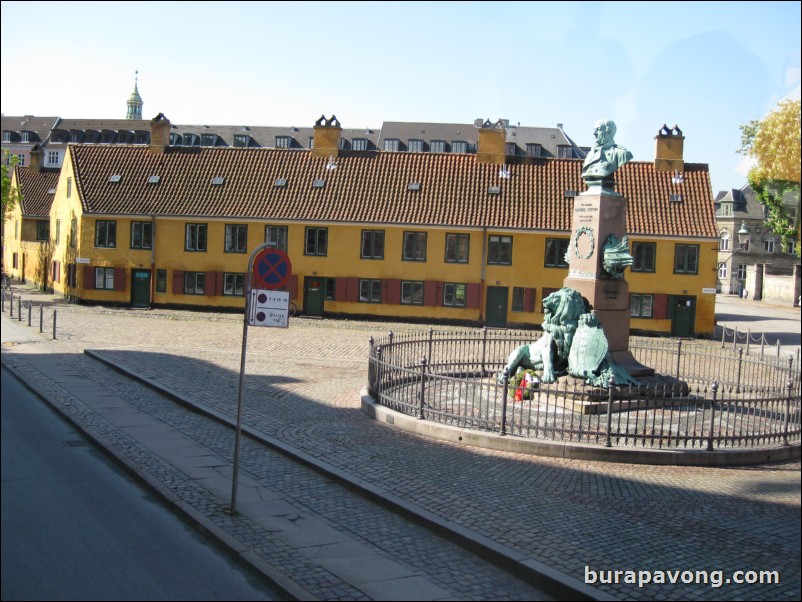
[781,287]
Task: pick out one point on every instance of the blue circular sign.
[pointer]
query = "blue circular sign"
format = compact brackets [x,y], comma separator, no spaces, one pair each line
[272,269]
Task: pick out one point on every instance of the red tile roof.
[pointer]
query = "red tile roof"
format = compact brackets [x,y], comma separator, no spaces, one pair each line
[374,188]
[35,187]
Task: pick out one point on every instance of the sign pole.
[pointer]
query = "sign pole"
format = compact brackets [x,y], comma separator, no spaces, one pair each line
[238,434]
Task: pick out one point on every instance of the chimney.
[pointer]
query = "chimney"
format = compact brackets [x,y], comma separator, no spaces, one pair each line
[492,143]
[36,158]
[327,134]
[159,134]
[668,149]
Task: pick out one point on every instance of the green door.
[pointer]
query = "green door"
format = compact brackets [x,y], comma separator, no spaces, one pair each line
[496,306]
[683,315]
[314,287]
[140,288]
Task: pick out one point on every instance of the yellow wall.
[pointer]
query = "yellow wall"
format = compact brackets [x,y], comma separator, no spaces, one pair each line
[343,261]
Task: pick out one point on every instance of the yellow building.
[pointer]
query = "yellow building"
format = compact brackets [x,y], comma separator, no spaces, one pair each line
[26,233]
[424,236]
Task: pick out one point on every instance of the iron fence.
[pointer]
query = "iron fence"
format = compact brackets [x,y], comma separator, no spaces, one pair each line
[701,396]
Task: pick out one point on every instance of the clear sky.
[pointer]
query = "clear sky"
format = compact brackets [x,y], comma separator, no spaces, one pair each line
[704,66]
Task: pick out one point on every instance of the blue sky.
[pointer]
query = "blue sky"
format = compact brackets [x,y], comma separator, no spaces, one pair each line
[704,66]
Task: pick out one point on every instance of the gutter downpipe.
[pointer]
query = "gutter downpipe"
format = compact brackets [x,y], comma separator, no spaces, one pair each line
[152,260]
[482,277]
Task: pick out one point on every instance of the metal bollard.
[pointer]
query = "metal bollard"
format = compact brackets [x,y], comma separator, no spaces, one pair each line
[714,387]
[19,309]
[11,305]
[30,309]
[54,324]
[740,364]
[41,318]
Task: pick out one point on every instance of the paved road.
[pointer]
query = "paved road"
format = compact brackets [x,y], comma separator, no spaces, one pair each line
[76,528]
[758,324]
[570,517]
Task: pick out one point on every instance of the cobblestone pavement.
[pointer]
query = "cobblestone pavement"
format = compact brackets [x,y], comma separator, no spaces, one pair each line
[580,518]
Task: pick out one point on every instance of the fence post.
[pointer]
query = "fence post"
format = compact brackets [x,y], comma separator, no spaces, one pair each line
[506,382]
[714,387]
[748,337]
[484,349]
[378,374]
[679,353]
[431,336]
[54,324]
[30,309]
[19,308]
[723,334]
[740,363]
[371,366]
[789,385]
[778,347]
[610,383]
[735,338]
[421,394]
[41,318]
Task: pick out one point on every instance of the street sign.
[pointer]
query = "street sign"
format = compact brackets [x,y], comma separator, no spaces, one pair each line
[709,291]
[271,269]
[269,308]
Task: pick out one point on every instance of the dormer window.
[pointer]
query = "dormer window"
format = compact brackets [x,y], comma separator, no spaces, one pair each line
[283,141]
[459,146]
[26,137]
[415,146]
[208,139]
[6,136]
[511,149]
[438,146]
[359,144]
[242,140]
[392,145]
[534,150]
[564,152]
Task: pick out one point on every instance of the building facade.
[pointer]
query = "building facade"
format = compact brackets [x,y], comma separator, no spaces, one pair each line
[470,238]
[745,241]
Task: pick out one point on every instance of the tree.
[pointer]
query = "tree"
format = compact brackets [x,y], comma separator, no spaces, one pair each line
[774,143]
[10,195]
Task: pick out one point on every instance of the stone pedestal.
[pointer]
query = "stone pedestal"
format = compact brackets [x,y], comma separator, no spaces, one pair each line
[597,215]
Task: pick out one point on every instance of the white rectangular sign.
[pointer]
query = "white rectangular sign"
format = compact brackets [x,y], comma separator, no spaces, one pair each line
[709,291]
[269,308]
[82,260]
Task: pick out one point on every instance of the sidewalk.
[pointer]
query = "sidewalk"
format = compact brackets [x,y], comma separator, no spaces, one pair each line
[542,517]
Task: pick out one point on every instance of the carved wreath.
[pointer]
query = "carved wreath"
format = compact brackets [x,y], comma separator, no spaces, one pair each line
[589,231]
